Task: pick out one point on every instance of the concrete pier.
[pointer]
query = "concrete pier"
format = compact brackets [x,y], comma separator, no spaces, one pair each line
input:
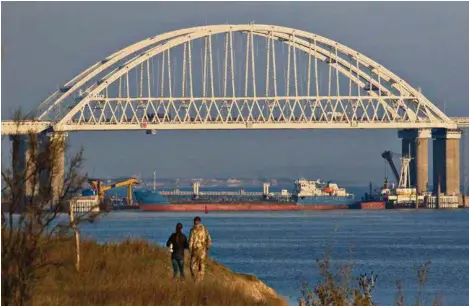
[38,161]
[24,155]
[415,145]
[56,143]
[446,161]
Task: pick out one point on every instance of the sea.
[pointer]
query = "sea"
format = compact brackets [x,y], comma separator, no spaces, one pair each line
[282,248]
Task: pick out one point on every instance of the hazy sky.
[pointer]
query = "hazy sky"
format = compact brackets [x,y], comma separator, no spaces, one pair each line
[46,44]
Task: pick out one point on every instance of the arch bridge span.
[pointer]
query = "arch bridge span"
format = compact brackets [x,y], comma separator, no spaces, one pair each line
[237,77]
[249,76]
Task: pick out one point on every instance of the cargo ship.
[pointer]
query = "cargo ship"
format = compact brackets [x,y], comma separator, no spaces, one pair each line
[306,195]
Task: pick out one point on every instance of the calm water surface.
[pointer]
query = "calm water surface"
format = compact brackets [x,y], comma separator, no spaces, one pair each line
[281,247]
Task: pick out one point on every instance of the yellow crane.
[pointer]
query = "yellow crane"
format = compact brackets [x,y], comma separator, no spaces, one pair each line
[100,189]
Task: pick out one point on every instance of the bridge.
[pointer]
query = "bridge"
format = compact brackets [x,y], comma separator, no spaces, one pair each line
[249,76]
[461,122]
[12,127]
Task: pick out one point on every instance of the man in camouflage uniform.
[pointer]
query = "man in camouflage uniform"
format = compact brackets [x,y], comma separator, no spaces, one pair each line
[199,243]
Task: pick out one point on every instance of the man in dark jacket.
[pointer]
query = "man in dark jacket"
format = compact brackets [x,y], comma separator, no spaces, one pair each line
[177,242]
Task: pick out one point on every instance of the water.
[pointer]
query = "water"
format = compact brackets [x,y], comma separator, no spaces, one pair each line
[281,247]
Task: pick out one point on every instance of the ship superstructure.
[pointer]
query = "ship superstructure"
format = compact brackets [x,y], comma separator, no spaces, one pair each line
[317,192]
[305,188]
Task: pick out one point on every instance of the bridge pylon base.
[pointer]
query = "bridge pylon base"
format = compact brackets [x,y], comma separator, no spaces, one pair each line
[38,164]
[446,159]
[415,145]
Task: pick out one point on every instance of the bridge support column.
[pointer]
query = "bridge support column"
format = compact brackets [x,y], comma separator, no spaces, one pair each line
[23,164]
[415,145]
[446,161]
[33,152]
[55,143]
[38,163]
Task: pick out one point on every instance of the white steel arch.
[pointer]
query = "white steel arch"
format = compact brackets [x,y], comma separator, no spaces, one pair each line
[102,98]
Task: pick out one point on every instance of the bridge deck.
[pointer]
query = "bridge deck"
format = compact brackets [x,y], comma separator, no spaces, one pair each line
[462,122]
[10,127]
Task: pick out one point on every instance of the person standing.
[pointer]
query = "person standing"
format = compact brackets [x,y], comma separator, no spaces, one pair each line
[199,243]
[177,242]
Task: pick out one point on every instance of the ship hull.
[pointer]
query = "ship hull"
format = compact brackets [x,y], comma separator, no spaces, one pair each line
[154,201]
[236,207]
[324,200]
[369,205]
[150,197]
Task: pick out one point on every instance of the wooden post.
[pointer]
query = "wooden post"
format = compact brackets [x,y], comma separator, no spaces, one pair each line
[77,237]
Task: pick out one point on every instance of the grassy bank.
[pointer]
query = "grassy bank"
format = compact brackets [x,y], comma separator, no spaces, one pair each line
[140,273]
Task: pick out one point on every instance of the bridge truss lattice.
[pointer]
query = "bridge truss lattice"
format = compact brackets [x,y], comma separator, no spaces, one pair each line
[236,77]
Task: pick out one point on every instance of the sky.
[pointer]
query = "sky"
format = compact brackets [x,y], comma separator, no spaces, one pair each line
[45,44]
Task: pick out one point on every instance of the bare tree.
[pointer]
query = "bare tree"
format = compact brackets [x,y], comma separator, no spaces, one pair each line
[32,203]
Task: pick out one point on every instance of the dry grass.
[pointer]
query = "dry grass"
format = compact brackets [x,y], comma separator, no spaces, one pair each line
[135,273]
[337,287]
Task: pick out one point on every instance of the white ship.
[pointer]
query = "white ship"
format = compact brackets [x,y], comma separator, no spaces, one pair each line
[320,193]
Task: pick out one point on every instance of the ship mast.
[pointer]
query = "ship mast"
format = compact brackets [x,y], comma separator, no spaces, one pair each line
[154,181]
[404,178]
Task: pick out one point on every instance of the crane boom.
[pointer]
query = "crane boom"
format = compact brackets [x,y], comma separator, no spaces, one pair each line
[97,185]
[387,155]
[120,184]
